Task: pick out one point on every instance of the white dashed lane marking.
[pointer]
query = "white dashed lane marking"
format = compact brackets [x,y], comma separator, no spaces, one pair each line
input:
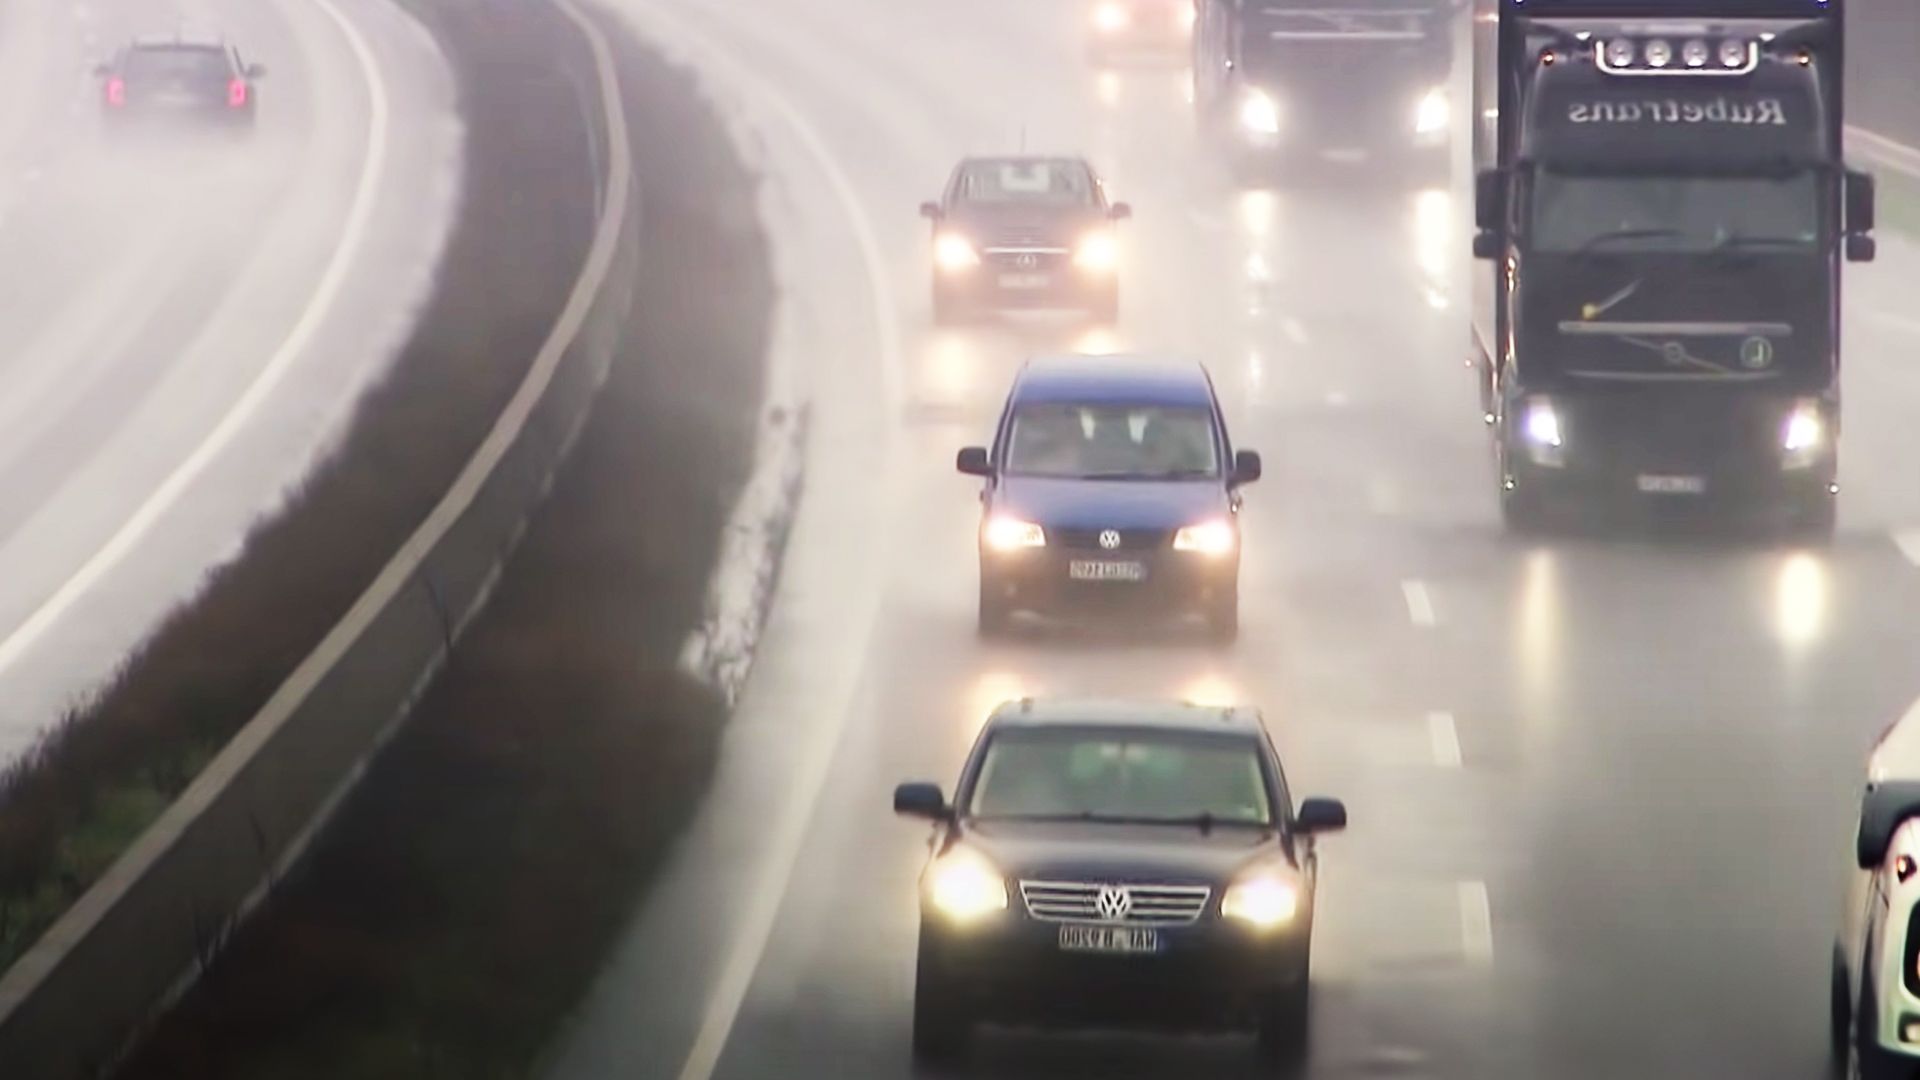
[1476,922]
[1908,541]
[1419,603]
[1445,736]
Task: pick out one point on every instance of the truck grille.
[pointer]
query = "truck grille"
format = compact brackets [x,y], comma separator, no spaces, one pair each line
[1148,905]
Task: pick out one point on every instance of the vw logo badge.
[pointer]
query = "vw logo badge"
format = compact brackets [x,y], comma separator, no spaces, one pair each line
[1109,538]
[1028,262]
[1756,353]
[1113,903]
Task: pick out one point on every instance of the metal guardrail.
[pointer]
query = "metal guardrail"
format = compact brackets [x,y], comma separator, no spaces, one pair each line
[140,935]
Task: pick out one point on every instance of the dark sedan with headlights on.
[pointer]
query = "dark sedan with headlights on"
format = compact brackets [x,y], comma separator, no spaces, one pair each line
[1117,864]
[1024,232]
[1111,488]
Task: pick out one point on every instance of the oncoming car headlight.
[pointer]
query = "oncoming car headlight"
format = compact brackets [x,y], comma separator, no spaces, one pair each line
[951,251]
[1012,534]
[1433,112]
[963,885]
[1260,113]
[1207,538]
[1098,251]
[1266,898]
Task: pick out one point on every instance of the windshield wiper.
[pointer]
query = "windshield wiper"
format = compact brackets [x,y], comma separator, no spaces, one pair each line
[1623,234]
[1205,822]
[1743,241]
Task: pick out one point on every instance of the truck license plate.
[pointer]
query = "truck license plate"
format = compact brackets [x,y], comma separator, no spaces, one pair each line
[1653,484]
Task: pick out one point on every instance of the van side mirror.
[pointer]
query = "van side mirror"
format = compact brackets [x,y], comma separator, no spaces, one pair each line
[973,461]
[1120,211]
[921,800]
[1860,203]
[1319,815]
[1487,245]
[1246,467]
[931,211]
[1861,248]
[1490,200]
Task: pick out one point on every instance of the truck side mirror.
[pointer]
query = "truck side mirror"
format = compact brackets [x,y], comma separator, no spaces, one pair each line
[931,211]
[1490,200]
[1861,248]
[1860,203]
[1120,211]
[1487,245]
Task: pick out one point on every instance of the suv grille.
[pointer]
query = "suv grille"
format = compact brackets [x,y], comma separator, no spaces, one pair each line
[1080,901]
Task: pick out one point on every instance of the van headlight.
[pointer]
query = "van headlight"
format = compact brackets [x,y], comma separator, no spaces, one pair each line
[1214,538]
[1266,897]
[1260,113]
[964,886]
[1433,113]
[1005,534]
[1803,438]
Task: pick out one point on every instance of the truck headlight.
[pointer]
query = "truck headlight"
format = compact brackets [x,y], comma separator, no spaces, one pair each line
[1432,113]
[1213,538]
[1260,113]
[964,886]
[1803,438]
[1098,251]
[1540,431]
[1265,898]
[954,252]
[1011,534]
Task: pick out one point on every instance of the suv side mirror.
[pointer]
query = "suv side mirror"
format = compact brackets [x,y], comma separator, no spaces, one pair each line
[1246,467]
[1859,198]
[1320,815]
[921,800]
[1120,211]
[931,211]
[1861,248]
[1487,244]
[1490,200]
[973,461]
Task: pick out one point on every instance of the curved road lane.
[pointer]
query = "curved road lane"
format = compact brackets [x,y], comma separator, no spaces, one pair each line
[1601,786]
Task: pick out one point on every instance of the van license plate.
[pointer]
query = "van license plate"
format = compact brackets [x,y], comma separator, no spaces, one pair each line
[1106,570]
[1130,940]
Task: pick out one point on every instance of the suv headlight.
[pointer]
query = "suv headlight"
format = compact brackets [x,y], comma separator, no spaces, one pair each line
[1540,431]
[1432,113]
[1207,538]
[1265,897]
[1098,251]
[963,885]
[1260,113]
[951,251]
[1803,438]
[1012,534]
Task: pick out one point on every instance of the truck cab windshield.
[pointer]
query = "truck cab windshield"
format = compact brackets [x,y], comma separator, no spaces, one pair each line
[1597,214]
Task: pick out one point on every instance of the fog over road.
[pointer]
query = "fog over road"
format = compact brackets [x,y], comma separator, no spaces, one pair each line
[185,322]
[1601,786]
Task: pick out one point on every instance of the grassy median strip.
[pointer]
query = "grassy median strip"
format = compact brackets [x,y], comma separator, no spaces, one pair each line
[468,892]
[69,808]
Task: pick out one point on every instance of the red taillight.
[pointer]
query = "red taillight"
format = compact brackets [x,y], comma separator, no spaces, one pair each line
[237,93]
[116,91]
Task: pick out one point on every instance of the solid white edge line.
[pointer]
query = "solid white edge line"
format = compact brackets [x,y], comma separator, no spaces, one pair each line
[1419,602]
[1908,541]
[1444,734]
[757,923]
[353,236]
[1476,922]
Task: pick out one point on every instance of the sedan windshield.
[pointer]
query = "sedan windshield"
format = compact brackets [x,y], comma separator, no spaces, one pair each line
[1131,777]
[1027,181]
[1119,442]
[1597,214]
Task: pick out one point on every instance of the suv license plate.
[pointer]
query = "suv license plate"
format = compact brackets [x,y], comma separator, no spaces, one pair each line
[1129,940]
[1023,281]
[1672,485]
[1106,570]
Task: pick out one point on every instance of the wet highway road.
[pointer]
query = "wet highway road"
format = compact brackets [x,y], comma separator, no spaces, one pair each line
[185,322]
[1601,786]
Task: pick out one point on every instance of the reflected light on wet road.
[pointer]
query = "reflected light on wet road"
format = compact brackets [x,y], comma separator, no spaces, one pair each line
[1540,624]
[1800,600]
[1433,235]
[1108,84]
[1098,341]
[950,368]
[1258,212]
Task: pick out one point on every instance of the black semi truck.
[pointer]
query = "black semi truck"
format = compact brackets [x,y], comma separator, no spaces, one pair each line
[1661,194]
[1282,78]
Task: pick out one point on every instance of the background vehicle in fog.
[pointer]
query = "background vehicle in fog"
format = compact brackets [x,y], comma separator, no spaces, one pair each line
[179,80]
[1024,232]
[1276,78]
[1662,197]
[1125,29]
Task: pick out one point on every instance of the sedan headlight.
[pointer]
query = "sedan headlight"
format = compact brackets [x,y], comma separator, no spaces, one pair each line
[1804,436]
[1012,534]
[1207,538]
[1265,898]
[1260,113]
[963,885]
[951,251]
[1433,112]
[1098,252]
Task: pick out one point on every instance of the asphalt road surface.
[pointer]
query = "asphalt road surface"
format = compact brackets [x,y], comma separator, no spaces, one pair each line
[1601,787]
[185,322]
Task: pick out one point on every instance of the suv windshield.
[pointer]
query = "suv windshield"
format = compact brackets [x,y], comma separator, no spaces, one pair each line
[1122,776]
[1058,182]
[1582,214]
[1121,442]
[181,64]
